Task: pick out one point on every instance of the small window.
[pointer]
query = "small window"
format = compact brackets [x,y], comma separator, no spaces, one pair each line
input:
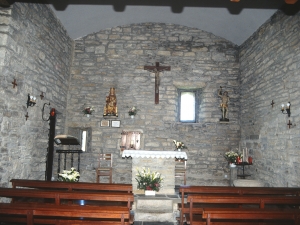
[188,106]
[84,136]
[83,140]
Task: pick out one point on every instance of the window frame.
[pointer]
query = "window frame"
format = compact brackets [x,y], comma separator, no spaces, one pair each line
[196,92]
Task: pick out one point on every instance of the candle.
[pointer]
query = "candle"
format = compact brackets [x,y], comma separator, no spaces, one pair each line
[243,155]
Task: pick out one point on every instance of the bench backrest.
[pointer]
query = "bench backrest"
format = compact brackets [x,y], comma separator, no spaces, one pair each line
[58,195]
[71,185]
[31,210]
[187,190]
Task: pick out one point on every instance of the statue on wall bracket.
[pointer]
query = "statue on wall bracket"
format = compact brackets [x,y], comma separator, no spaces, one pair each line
[110,109]
[224,104]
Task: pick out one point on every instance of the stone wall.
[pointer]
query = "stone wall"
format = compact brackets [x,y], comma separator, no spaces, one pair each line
[36,51]
[270,62]
[116,58]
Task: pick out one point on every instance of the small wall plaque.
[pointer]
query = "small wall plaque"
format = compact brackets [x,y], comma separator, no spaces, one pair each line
[115,123]
[104,123]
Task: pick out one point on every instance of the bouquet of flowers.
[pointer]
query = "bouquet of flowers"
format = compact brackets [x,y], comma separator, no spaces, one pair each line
[231,156]
[88,110]
[69,175]
[148,180]
[179,144]
[133,111]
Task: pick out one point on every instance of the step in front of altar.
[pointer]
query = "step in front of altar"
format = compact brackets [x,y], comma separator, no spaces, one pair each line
[159,208]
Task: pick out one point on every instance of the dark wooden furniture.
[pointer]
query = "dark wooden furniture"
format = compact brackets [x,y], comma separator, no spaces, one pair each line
[248,201]
[82,195]
[70,185]
[63,197]
[32,213]
[243,164]
[105,167]
[186,190]
[286,217]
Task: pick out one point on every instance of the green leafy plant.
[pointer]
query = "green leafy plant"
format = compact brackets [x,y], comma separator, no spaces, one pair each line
[69,175]
[148,180]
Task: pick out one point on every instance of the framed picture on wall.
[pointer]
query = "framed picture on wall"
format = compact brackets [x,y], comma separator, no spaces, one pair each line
[104,123]
[115,123]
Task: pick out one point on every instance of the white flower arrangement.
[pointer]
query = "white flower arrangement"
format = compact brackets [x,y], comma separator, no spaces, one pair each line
[231,156]
[88,110]
[179,144]
[133,111]
[148,180]
[69,175]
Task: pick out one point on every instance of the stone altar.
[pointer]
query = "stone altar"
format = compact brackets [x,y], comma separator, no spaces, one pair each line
[160,161]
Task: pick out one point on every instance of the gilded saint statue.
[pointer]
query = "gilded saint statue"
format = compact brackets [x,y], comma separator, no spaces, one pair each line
[224,104]
[110,108]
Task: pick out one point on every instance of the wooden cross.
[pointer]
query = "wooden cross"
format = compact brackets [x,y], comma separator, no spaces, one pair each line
[14,83]
[289,124]
[26,116]
[42,95]
[156,69]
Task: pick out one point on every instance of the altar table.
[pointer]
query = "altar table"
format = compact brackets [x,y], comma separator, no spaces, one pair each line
[159,161]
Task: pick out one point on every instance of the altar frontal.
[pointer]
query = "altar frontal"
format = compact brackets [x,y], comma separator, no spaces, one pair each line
[162,162]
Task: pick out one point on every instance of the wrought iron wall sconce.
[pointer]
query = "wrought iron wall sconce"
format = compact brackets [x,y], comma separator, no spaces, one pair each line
[287,109]
[272,103]
[31,101]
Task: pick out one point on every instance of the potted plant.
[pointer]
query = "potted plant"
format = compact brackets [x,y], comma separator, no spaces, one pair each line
[179,145]
[88,111]
[69,175]
[231,157]
[132,111]
[148,181]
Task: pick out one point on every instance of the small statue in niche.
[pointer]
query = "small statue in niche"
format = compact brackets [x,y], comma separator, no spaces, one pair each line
[110,108]
[224,104]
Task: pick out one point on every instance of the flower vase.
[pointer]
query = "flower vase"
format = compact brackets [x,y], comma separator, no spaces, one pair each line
[179,149]
[132,116]
[87,115]
[232,165]
[149,193]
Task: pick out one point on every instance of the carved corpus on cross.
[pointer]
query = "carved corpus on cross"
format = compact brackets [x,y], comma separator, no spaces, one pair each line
[156,69]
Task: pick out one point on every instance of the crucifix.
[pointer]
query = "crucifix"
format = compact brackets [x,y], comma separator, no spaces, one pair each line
[156,69]
[14,83]
[289,124]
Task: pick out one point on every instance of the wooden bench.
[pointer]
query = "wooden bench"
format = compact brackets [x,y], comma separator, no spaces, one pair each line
[58,196]
[70,186]
[286,217]
[235,202]
[186,190]
[32,213]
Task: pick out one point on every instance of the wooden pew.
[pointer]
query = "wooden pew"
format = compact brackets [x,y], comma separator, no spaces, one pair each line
[57,196]
[236,201]
[286,217]
[185,190]
[70,186]
[65,214]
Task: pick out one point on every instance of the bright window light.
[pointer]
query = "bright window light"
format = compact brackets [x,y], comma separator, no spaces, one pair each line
[83,140]
[187,107]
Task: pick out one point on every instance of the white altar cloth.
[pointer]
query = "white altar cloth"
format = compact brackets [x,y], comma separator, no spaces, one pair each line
[154,154]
